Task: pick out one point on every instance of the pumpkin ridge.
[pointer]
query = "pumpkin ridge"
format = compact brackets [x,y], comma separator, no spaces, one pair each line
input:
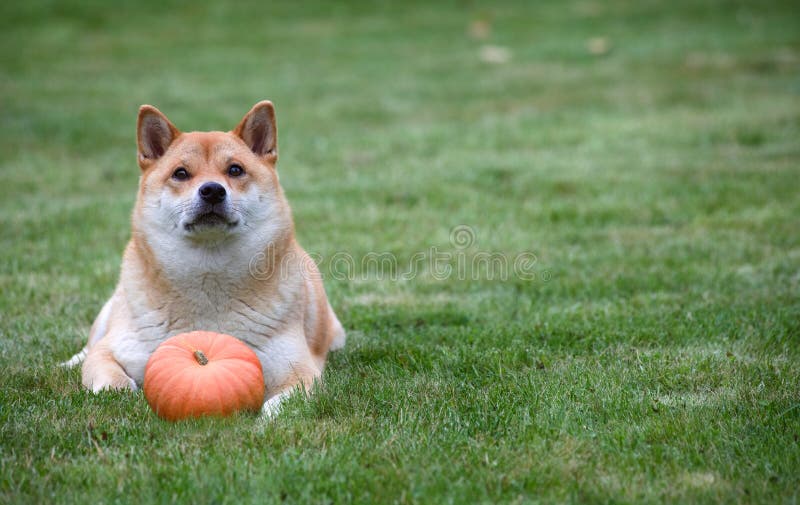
[253,387]
[179,395]
[236,359]
[196,387]
[155,376]
[243,386]
[159,369]
[191,394]
[215,346]
[230,389]
[204,382]
[186,346]
[217,397]
[239,364]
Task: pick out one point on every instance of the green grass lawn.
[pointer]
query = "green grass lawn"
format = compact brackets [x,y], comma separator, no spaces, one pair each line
[654,355]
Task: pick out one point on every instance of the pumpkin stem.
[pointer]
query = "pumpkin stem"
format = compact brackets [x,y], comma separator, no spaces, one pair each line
[200,357]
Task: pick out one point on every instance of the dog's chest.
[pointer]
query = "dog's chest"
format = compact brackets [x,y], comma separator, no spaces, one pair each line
[211,304]
[254,325]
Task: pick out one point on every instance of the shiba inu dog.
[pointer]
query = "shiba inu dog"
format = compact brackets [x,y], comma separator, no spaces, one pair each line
[213,248]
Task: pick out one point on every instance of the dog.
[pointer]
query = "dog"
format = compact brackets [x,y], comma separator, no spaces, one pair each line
[213,248]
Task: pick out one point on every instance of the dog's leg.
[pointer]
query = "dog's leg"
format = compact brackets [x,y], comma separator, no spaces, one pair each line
[272,406]
[300,378]
[102,371]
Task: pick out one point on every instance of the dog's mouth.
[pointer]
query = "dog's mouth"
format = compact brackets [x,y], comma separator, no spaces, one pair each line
[209,219]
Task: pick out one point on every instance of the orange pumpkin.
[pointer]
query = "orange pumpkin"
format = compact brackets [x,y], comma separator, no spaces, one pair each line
[203,373]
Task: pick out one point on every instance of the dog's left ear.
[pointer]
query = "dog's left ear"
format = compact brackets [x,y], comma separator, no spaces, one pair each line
[258,130]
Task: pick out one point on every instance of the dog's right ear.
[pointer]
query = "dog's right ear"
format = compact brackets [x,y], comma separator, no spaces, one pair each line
[154,134]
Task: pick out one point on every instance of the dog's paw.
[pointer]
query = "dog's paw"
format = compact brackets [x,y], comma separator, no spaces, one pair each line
[272,407]
[120,382]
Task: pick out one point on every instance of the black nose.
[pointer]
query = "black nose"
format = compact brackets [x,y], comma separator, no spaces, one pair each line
[212,192]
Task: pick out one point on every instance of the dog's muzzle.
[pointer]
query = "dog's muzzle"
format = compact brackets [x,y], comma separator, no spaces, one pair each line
[209,215]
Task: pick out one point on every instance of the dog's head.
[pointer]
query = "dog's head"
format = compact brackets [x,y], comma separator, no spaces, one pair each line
[209,188]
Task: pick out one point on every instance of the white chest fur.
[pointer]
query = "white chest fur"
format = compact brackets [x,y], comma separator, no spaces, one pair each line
[232,316]
[205,294]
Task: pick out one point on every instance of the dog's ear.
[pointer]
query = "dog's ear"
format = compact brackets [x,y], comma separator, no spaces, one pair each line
[258,130]
[154,134]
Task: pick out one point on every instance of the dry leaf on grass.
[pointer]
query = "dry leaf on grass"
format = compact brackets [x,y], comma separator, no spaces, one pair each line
[598,45]
[480,29]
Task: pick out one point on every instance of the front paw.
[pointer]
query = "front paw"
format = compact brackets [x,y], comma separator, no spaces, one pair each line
[272,407]
[118,382]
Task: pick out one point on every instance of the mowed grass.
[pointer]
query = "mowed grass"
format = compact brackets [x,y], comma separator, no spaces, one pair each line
[652,357]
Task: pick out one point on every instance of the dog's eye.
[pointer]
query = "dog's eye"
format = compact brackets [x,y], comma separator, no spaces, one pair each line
[235,170]
[180,174]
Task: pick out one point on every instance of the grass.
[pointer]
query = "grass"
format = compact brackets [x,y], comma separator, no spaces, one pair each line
[653,357]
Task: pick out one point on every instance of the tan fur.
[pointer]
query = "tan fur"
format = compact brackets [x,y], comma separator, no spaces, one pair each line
[248,278]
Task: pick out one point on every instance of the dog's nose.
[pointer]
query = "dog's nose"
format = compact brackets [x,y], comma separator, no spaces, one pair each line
[212,192]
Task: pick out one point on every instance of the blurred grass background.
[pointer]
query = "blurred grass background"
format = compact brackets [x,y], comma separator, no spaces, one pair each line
[645,152]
